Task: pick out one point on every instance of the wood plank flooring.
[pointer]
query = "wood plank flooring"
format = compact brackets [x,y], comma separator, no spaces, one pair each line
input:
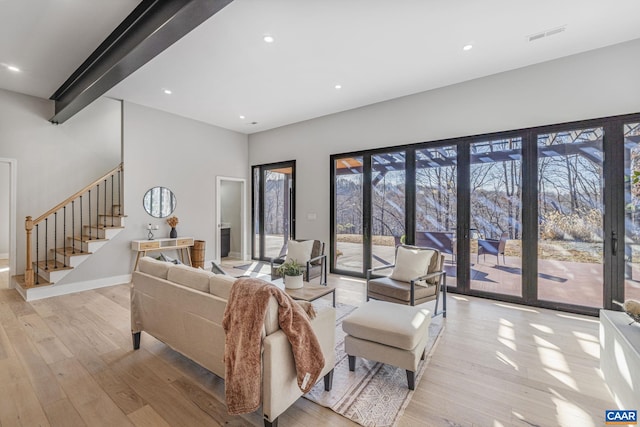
[68,361]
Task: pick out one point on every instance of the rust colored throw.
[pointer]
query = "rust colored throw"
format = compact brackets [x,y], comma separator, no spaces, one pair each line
[243,322]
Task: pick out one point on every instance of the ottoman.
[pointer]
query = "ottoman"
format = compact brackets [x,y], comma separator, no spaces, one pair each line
[389,333]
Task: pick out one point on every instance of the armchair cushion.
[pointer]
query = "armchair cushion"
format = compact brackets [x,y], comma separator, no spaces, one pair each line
[411,263]
[299,251]
[398,290]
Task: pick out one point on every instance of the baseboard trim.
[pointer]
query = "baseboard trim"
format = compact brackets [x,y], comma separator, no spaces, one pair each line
[4,255]
[235,255]
[33,294]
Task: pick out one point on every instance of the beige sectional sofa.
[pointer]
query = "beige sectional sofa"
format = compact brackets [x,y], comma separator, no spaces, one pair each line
[183,307]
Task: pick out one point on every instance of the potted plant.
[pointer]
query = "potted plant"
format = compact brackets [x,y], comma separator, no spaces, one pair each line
[291,273]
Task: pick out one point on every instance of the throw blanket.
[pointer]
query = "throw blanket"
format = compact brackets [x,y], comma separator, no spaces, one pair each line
[243,322]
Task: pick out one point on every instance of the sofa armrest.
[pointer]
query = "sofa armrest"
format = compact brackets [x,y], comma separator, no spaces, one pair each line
[279,382]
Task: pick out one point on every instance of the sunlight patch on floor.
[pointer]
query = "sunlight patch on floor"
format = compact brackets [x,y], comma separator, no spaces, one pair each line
[563,378]
[542,328]
[583,319]
[570,414]
[3,269]
[504,359]
[514,307]
[352,279]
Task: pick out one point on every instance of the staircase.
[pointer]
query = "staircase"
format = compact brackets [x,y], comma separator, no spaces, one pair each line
[71,232]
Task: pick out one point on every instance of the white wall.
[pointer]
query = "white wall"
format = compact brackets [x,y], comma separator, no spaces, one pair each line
[55,161]
[595,84]
[185,156]
[231,212]
[4,210]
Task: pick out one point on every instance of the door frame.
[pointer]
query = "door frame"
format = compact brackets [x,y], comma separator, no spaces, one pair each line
[13,176]
[243,215]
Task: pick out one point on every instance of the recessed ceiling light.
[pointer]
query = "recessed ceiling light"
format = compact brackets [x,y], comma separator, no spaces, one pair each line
[467,47]
[242,117]
[13,68]
[268,38]
[167,91]
[338,86]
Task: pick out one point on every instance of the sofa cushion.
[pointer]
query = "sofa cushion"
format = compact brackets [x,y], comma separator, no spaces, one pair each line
[154,267]
[191,277]
[398,290]
[220,285]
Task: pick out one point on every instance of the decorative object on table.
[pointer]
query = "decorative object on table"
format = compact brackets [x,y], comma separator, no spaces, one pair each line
[632,308]
[291,271]
[150,228]
[173,222]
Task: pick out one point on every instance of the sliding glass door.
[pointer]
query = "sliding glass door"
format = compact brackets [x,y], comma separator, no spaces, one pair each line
[495,231]
[570,211]
[273,208]
[547,216]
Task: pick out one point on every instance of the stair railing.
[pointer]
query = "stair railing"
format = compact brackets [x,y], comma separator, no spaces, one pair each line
[110,185]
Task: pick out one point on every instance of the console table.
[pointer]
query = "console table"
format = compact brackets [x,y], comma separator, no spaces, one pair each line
[620,357]
[181,244]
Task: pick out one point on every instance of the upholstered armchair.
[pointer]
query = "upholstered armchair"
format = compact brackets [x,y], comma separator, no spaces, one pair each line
[309,253]
[417,276]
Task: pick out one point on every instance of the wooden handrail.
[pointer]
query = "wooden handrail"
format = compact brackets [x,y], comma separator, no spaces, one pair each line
[77,194]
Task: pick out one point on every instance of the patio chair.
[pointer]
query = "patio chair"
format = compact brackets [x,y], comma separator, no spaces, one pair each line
[444,241]
[314,260]
[417,277]
[493,247]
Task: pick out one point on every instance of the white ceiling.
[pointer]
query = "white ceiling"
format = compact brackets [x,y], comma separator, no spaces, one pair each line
[375,49]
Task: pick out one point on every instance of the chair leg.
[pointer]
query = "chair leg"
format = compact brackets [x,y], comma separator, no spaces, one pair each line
[328,381]
[352,363]
[136,340]
[411,380]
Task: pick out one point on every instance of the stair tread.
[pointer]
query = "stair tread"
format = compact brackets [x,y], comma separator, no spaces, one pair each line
[19,280]
[52,265]
[85,238]
[115,216]
[68,251]
[102,227]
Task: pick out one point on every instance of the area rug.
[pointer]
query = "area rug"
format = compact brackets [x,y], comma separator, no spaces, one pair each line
[375,394]
[256,268]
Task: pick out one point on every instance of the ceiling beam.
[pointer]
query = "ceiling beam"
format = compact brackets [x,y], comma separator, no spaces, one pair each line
[153,26]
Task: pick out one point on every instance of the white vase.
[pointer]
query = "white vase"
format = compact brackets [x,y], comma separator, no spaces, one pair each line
[293,282]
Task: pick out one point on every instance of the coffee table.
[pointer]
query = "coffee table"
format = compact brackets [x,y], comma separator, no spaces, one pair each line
[308,292]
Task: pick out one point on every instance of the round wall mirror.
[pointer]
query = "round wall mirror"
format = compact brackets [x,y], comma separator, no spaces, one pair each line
[159,202]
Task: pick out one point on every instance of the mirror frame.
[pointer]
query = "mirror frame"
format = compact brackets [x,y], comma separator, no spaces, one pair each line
[166,203]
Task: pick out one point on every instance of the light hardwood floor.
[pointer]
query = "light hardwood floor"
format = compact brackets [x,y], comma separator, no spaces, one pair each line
[68,361]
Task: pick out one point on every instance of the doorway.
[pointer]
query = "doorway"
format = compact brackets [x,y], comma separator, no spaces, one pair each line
[273,208]
[230,218]
[7,221]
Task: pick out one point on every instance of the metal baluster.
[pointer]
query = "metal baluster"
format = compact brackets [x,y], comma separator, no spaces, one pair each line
[64,230]
[104,207]
[97,209]
[73,224]
[90,229]
[81,224]
[119,195]
[112,200]
[37,254]
[46,244]
[55,238]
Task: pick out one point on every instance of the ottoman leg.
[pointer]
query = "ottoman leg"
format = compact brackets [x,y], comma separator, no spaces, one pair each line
[328,381]
[411,380]
[352,363]
[424,353]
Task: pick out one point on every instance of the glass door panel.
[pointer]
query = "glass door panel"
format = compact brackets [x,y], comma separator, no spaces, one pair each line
[570,214]
[273,209]
[632,210]
[348,253]
[496,212]
[436,203]
[277,209]
[388,206]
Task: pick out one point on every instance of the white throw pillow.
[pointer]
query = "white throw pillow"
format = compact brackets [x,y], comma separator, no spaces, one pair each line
[411,263]
[299,251]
